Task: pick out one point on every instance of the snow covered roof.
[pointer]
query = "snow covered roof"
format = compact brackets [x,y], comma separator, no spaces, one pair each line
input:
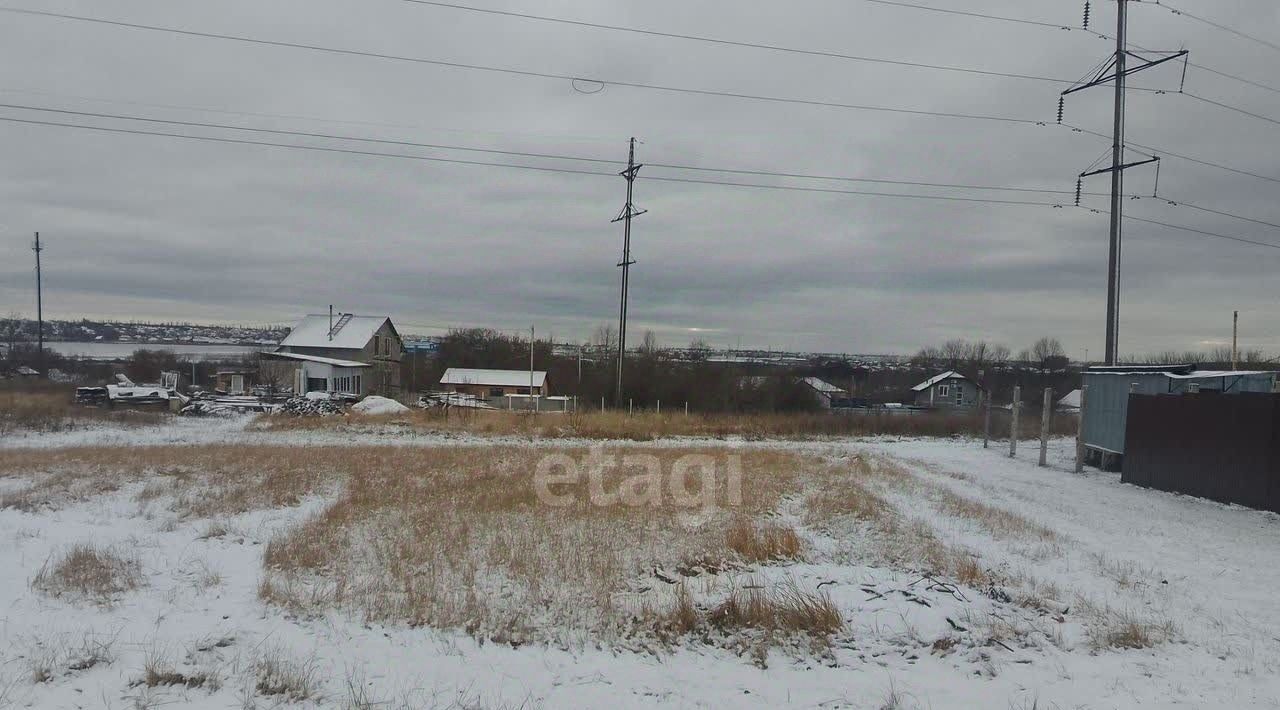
[1194,375]
[492,378]
[316,358]
[948,375]
[1071,400]
[822,385]
[350,331]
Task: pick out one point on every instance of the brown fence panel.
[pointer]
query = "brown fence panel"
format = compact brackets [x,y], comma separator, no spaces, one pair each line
[1222,447]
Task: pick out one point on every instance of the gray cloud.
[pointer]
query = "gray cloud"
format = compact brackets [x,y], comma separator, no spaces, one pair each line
[146,227]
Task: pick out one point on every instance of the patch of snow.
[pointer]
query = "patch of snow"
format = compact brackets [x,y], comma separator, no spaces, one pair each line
[373,404]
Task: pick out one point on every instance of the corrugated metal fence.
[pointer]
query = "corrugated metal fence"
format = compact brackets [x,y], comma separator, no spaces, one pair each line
[1221,447]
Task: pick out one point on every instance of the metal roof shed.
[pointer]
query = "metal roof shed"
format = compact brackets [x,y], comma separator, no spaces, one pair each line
[1107,404]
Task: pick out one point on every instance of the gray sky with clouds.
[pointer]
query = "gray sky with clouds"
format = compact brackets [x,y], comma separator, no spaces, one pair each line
[142,227]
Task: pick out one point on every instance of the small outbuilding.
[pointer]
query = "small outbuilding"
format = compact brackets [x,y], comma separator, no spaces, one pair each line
[234,382]
[949,390]
[491,384]
[826,394]
[313,373]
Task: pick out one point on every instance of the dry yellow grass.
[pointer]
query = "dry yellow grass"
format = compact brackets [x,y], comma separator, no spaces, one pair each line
[196,481]
[89,571]
[649,426]
[459,538]
[51,408]
[762,542]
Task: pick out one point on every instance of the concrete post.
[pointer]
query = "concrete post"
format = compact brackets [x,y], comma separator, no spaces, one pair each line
[1013,420]
[1045,415]
[1084,398]
[986,422]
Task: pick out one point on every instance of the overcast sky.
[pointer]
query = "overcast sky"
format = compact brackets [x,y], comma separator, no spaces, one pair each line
[144,227]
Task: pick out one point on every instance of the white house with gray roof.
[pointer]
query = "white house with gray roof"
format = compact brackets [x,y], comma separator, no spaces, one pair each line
[346,354]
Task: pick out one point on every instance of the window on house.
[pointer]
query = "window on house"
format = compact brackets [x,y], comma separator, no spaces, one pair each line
[496,392]
[944,390]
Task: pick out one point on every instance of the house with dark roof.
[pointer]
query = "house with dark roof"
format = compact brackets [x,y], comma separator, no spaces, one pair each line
[342,353]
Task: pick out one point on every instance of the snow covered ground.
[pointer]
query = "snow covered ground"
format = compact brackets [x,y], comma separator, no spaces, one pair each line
[1208,572]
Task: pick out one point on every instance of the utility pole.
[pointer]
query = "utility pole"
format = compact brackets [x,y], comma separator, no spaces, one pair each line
[628,211]
[39,305]
[1117,70]
[1117,186]
[1235,332]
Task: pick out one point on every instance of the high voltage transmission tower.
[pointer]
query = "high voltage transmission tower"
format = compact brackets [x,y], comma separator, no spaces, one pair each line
[1116,69]
[628,211]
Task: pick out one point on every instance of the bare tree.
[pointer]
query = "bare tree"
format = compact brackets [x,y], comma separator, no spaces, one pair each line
[699,349]
[649,344]
[605,338]
[10,329]
[1047,352]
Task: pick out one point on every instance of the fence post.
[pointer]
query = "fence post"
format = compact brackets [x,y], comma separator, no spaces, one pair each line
[986,422]
[1084,398]
[1045,415]
[630,406]
[602,405]
[1013,420]
[686,408]
[659,406]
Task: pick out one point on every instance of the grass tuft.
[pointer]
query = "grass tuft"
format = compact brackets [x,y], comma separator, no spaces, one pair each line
[98,573]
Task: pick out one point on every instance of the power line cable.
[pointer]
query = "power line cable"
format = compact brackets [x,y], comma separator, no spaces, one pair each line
[1178,203]
[1203,232]
[305,134]
[321,149]
[604,161]
[1217,25]
[1168,153]
[736,43]
[1229,107]
[526,73]
[967,13]
[351,151]
[527,154]
[790,188]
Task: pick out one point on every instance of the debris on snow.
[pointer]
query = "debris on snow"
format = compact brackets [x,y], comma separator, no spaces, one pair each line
[312,407]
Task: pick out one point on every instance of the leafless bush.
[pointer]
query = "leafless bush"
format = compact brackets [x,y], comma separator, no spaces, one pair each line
[87,570]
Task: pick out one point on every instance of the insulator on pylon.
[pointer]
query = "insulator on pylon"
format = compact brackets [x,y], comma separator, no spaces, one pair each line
[1079,188]
[1062,105]
[1086,14]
